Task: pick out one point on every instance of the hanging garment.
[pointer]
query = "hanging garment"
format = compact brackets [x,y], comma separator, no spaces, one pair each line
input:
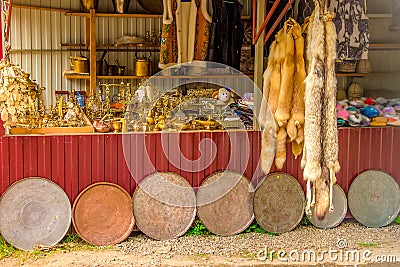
[185,32]
[227,33]
[351,25]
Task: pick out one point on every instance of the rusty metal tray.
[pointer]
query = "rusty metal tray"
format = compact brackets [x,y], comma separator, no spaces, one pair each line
[225,203]
[102,214]
[374,198]
[164,205]
[279,203]
[34,211]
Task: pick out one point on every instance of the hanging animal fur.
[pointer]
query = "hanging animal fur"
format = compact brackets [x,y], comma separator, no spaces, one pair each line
[282,113]
[329,124]
[313,104]
[266,119]
[280,156]
[273,95]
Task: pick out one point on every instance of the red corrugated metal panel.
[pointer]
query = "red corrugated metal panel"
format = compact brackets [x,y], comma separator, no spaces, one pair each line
[149,154]
[71,166]
[161,146]
[211,152]
[98,158]
[4,164]
[124,158]
[44,156]
[234,140]
[249,163]
[256,151]
[224,150]
[85,161]
[395,166]
[199,158]
[137,160]
[187,144]
[16,159]
[111,158]
[58,160]
[174,158]
[30,156]
[2,130]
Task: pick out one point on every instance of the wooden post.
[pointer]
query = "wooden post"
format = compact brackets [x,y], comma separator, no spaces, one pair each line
[92,49]
[259,58]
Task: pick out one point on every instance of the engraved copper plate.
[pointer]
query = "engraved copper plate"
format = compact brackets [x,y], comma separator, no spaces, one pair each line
[333,219]
[225,203]
[164,205]
[279,203]
[34,211]
[374,198]
[102,214]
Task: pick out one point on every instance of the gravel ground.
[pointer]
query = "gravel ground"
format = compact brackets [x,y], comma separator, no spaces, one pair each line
[349,234]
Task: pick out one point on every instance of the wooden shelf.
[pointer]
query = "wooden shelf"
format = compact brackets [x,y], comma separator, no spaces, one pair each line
[115,47]
[84,14]
[77,76]
[44,8]
[349,74]
[379,16]
[385,46]
[365,74]
[120,77]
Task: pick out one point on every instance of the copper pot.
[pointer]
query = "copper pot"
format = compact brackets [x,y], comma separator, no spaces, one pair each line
[79,64]
[101,127]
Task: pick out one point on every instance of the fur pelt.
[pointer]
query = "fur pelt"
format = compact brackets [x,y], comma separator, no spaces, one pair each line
[273,95]
[282,113]
[267,85]
[297,112]
[329,124]
[297,149]
[321,187]
[291,129]
[280,155]
[268,144]
[313,101]
[300,134]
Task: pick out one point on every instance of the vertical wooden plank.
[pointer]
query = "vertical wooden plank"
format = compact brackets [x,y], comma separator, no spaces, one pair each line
[58,160]
[188,142]
[30,156]
[72,166]
[174,153]
[98,160]
[92,50]
[85,162]
[124,160]
[16,159]
[111,158]
[44,156]
[4,163]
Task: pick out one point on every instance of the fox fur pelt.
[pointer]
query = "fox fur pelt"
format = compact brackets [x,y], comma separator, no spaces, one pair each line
[280,156]
[313,99]
[329,126]
[282,113]
[273,95]
[266,118]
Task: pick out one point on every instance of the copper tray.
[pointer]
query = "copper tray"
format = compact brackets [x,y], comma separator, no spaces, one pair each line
[102,214]
[164,205]
[34,211]
[374,198]
[333,219]
[279,203]
[225,203]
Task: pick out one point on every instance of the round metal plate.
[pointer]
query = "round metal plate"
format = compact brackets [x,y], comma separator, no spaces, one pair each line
[102,214]
[152,6]
[164,205]
[232,212]
[34,211]
[279,203]
[333,219]
[374,198]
